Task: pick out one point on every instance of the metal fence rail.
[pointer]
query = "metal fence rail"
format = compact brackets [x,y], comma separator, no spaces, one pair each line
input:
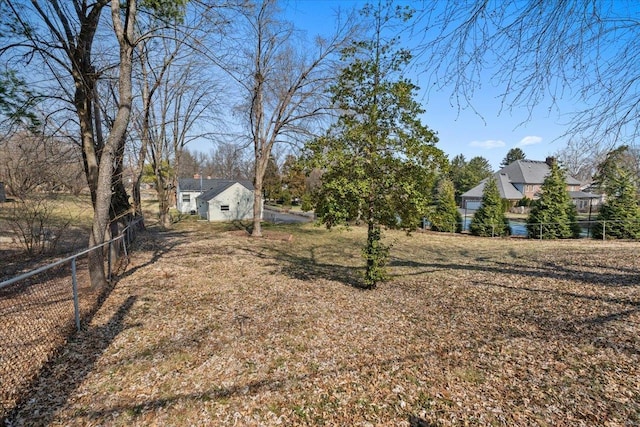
[40,309]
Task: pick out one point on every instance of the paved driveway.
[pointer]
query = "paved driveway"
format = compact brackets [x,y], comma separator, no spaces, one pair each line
[277,217]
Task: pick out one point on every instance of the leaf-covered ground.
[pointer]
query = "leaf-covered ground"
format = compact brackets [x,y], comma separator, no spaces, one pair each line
[210,327]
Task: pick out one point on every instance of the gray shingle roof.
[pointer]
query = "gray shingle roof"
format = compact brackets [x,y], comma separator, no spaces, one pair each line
[531,172]
[528,172]
[506,189]
[222,186]
[204,185]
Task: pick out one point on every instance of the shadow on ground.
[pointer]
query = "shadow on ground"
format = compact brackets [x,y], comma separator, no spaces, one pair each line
[60,377]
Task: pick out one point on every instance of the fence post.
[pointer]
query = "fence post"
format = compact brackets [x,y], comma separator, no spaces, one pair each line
[540,231]
[109,262]
[604,229]
[76,304]
[124,247]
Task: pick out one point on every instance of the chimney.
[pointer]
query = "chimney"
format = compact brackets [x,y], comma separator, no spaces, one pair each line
[550,161]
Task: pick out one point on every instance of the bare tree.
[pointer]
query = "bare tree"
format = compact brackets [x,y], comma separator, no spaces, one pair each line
[580,158]
[56,162]
[176,101]
[62,35]
[230,161]
[540,50]
[191,163]
[284,84]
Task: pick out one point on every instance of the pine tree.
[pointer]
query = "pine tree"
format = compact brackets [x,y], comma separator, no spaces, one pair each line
[489,219]
[513,155]
[446,216]
[553,215]
[619,217]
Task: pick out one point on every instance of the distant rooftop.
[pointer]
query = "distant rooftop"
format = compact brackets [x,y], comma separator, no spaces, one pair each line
[531,172]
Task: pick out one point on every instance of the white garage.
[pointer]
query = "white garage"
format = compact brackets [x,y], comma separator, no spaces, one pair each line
[228,201]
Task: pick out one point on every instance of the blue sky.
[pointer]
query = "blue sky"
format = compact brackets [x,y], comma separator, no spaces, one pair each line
[486,132]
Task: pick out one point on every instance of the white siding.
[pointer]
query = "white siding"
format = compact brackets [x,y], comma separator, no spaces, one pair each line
[239,201]
[184,206]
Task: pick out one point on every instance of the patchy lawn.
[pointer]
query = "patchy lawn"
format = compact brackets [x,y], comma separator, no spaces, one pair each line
[210,327]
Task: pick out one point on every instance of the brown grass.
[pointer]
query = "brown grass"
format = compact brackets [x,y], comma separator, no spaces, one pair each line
[211,327]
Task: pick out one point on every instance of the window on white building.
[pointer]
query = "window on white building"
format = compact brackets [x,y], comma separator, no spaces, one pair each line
[186,198]
[224,207]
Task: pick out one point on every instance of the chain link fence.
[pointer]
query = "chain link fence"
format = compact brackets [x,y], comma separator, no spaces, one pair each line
[41,309]
[598,229]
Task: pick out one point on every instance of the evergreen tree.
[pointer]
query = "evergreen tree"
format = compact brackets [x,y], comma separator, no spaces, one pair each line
[513,155]
[619,217]
[478,169]
[616,161]
[293,178]
[466,175]
[446,216]
[553,215]
[489,219]
[458,176]
[272,182]
[379,161]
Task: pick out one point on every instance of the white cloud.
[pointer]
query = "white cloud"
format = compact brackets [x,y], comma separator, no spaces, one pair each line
[488,144]
[530,140]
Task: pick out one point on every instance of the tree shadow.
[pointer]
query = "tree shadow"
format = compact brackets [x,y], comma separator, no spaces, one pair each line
[308,267]
[58,379]
[242,225]
[93,300]
[548,270]
[270,383]
[576,327]
[159,243]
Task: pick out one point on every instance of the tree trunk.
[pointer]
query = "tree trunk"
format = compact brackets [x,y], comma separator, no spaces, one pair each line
[117,134]
[257,208]
[163,202]
[258,184]
[83,102]
[372,238]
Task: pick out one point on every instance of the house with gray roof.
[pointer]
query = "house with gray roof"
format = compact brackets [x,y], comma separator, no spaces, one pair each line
[216,199]
[524,178]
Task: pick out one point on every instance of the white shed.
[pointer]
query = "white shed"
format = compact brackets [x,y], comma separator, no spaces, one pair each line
[228,201]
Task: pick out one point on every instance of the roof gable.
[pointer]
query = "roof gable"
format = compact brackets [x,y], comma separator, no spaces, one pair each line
[222,186]
[204,185]
[505,188]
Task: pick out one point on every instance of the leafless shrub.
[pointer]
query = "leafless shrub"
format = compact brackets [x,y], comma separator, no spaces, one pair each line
[37,223]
